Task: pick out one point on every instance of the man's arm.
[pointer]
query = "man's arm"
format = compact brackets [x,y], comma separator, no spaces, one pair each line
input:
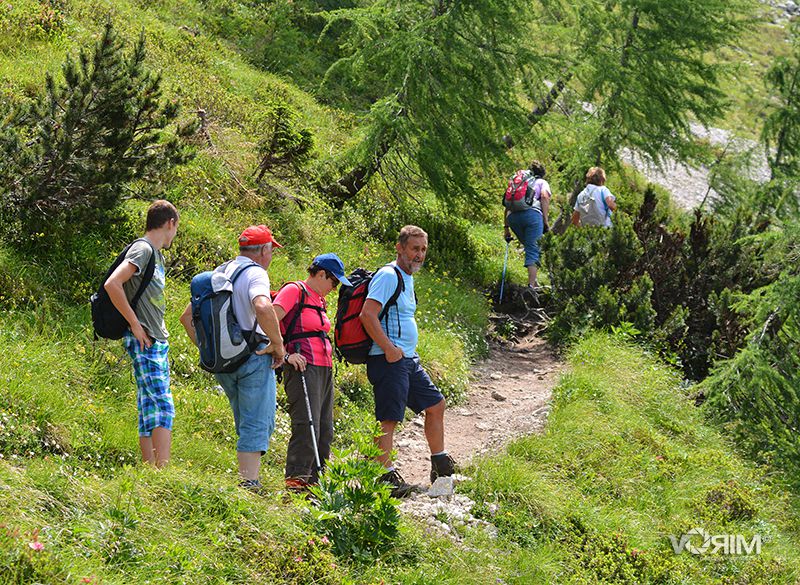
[268,320]
[113,285]
[576,218]
[369,318]
[188,324]
[506,229]
[611,202]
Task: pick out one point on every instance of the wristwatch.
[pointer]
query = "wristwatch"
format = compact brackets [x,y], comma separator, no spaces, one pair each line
[286,358]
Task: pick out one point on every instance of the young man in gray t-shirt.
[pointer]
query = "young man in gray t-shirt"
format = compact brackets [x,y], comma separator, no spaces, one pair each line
[146,339]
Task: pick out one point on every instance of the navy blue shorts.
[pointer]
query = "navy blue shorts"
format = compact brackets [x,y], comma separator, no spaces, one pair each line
[399,385]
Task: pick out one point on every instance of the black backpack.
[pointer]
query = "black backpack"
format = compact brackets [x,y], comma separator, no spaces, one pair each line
[107,321]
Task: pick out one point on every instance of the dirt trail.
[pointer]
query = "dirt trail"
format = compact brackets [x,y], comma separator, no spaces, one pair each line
[508,398]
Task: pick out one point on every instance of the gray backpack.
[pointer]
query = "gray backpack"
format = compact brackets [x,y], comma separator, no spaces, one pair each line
[587,205]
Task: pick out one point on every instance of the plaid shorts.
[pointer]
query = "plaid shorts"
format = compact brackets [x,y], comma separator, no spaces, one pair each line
[153,397]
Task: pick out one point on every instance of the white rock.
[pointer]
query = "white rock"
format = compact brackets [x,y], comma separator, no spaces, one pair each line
[443,486]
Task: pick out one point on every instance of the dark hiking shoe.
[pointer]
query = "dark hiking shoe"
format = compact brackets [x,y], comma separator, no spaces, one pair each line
[252,485]
[442,466]
[400,489]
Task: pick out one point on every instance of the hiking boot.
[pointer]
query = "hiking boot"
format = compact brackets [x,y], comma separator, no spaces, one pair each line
[252,485]
[442,466]
[296,484]
[400,489]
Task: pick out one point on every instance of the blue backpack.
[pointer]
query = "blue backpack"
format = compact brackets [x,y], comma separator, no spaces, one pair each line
[224,345]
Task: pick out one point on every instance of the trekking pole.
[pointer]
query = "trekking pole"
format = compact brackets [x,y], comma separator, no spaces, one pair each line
[503,278]
[310,416]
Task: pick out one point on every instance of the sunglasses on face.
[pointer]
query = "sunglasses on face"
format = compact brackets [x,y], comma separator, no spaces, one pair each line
[332,278]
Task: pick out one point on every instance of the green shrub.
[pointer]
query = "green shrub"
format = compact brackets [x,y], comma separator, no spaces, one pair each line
[350,505]
[593,279]
[728,501]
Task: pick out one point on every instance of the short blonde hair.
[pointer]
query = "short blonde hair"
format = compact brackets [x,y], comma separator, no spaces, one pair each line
[411,231]
[596,176]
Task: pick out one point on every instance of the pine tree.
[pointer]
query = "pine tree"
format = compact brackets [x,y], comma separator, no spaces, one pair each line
[647,71]
[87,139]
[444,80]
[758,390]
[781,132]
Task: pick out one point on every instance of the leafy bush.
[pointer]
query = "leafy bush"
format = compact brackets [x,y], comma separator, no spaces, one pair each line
[676,287]
[351,506]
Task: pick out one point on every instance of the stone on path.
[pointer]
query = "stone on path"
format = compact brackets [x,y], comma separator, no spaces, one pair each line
[443,486]
[497,396]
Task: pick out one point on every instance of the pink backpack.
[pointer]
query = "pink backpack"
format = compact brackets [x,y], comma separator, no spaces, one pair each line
[520,194]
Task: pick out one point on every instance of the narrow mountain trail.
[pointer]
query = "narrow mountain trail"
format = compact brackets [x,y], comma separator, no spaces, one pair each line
[508,398]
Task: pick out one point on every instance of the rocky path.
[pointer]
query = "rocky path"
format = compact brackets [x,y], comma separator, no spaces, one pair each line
[689,186]
[508,398]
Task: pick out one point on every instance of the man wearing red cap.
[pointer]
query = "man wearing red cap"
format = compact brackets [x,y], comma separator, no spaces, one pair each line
[251,389]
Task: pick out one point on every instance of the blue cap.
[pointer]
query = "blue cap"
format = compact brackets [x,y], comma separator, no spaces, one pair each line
[333,264]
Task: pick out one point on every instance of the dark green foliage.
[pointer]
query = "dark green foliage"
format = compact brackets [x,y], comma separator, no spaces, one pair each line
[693,275]
[350,505]
[442,79]
[757,391]
[677,289]
[86,141]
[284,145]
[781,131]
[453,248]
[590,271]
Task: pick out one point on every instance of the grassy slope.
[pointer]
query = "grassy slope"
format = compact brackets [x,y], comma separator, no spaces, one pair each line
[67,417]
[625,462]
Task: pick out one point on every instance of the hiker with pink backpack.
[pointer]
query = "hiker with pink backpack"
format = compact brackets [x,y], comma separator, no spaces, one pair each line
[526,202]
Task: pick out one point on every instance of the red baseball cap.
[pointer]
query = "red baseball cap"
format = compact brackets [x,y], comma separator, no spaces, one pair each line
[256,235]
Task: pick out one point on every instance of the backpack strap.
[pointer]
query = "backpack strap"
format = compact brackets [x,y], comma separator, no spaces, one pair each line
[603,199]
[148,272]
[237,272]
[401,287]
[301,304]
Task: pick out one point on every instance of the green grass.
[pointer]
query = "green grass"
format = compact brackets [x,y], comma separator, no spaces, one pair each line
[751,59]
[626,461]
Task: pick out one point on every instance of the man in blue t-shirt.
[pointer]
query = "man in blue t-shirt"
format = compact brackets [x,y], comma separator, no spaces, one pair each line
[397,378]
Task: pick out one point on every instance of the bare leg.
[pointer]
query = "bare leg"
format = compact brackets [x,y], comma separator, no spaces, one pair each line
[162,445]
[249,464]
[385,442]
[434,427]
[146,446]
[532,270]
